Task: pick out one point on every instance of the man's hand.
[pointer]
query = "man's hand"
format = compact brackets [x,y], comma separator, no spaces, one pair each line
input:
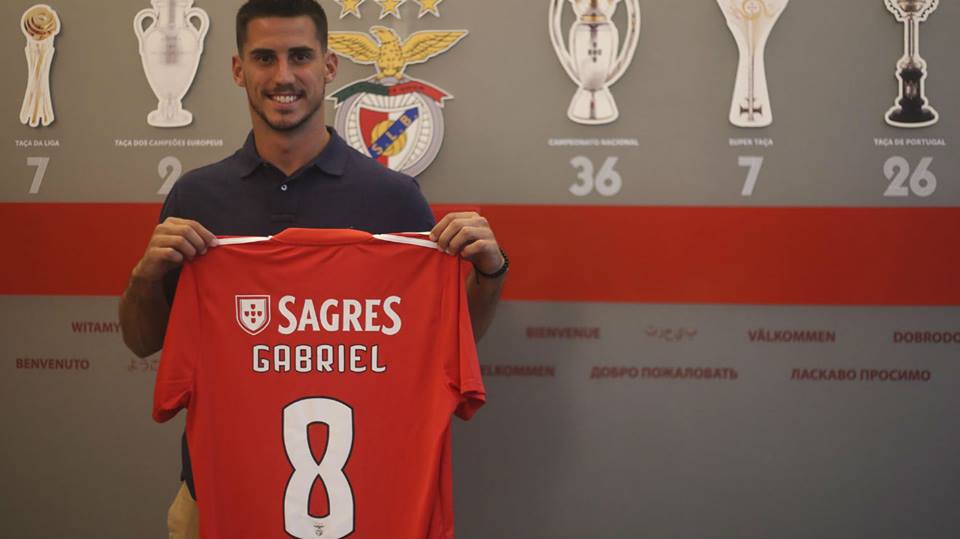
[469,235]
[172,242]
[143,306]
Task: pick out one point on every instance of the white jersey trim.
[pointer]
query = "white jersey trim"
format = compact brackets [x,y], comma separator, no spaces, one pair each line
[242,240]
[393,238]
[409,241]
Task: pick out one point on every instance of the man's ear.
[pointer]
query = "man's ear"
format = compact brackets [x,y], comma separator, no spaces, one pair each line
[237,69]
[333,64]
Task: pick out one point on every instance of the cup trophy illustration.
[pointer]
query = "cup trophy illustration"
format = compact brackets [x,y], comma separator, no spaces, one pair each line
[40,25]
[170,48]
[751,21]
[911,108]
[592,56]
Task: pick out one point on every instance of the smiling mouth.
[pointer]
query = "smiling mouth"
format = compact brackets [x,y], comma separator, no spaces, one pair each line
[284,99]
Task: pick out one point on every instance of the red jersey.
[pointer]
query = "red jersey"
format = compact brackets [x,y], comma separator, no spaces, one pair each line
[320,369]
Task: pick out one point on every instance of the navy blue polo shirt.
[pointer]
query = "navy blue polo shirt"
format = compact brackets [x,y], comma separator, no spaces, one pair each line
[243,195]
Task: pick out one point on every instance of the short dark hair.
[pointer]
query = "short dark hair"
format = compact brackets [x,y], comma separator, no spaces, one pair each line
[258,9]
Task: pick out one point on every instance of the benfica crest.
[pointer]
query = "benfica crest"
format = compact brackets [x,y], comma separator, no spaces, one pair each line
[394,119]
[253,313]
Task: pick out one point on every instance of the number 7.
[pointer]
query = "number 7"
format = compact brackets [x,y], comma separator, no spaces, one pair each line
[41,164]
[754,163]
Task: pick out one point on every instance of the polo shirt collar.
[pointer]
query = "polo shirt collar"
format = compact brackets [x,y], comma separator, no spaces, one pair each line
[332,160]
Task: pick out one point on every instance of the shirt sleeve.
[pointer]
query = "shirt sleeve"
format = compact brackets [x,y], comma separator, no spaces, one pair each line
[463,366]
[425,218]
[175,377]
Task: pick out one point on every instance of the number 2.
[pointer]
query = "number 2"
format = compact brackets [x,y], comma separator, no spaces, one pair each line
[170,170]
[297,418]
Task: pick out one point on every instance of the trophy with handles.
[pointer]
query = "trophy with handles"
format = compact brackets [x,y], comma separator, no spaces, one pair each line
[40,25]
[911,108]
[592,56]
[751,21]
[170,48]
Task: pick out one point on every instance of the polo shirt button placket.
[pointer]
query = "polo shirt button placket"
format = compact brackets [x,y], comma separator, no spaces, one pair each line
[283,187]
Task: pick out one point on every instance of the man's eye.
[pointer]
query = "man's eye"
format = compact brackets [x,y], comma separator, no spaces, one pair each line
[263,59]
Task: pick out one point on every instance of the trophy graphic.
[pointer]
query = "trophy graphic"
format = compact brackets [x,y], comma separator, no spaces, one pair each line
[170,49]
[40,25]
[592,55]
[911,108]
[751,21]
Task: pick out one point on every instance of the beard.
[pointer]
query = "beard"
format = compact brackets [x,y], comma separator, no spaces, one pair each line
[283,126]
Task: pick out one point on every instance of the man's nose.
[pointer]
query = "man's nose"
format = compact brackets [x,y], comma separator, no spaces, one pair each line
[284,72]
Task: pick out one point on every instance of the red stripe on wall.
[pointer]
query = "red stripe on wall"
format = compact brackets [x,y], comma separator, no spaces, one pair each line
[73,249]
[830,256]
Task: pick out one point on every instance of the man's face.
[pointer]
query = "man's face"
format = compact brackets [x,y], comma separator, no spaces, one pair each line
[284,71]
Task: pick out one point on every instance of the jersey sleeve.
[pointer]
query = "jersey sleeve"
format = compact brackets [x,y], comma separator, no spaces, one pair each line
[171,208]
[175,377]
[463,366]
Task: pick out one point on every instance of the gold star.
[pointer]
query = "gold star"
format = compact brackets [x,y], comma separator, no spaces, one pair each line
[429,6]
[390,7]
[351,7]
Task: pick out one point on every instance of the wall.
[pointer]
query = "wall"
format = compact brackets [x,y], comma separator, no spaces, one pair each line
[674,358]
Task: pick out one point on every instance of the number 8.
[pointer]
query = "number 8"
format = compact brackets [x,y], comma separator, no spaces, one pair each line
[297,418]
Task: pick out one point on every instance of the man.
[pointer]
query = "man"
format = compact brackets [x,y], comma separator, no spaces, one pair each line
[292,172]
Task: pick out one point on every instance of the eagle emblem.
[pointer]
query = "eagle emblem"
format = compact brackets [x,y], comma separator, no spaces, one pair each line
[390,116]
[388,53]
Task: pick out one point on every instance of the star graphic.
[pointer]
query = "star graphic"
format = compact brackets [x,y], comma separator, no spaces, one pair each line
[350,7]
[429,6]
[390,7]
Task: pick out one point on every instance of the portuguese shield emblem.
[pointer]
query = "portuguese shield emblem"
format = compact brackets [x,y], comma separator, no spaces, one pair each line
[253,313]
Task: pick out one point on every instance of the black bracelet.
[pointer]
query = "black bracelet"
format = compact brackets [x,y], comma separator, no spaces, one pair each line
[499,272]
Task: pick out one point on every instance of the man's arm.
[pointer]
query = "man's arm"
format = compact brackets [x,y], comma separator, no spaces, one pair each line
[469,235]
[143,316]
[483,295]
[143,306]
